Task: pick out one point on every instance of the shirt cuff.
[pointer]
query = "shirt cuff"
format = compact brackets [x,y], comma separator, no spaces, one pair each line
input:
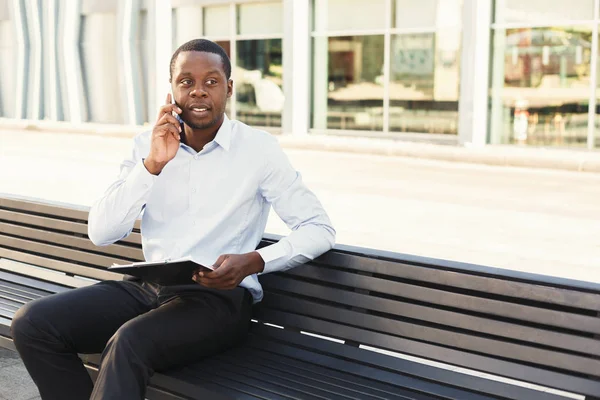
[140,177]
[275,257]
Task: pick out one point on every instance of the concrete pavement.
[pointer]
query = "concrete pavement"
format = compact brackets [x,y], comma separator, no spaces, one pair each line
[15,383]
[420,146]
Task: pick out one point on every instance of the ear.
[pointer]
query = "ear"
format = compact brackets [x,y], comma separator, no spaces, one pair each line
[229,88]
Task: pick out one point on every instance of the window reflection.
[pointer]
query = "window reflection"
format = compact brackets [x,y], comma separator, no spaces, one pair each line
[424,82]
[259,82]
[541,85]
[348,83]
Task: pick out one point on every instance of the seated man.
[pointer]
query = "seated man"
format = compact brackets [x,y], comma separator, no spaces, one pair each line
[205,185]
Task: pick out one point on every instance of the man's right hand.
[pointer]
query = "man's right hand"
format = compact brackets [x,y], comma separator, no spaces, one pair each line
[165,138]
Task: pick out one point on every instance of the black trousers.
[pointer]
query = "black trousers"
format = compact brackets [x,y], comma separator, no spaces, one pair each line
[138,327]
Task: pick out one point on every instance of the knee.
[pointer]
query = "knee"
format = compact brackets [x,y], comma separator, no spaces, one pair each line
[128,343]
[24,322]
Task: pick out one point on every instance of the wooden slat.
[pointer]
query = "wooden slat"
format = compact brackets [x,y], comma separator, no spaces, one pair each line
[45,275]
[62,266]
[265,359]
[450,299]
[45,208]
[132,253]
[31,283]
[56,224]
[432,315]
[471,361]
[205,376]
[60,252]
[458,340]
[487,284]
[14,296]
[24,291]
[306,379]
[369,365]
[285,384]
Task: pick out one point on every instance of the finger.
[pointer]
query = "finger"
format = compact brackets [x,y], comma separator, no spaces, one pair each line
[168,109]
[220,260]
[168,118]
[167,129]
[169,99]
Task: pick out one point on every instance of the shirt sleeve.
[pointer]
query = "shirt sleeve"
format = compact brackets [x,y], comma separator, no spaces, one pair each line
[113,216]
[312,232]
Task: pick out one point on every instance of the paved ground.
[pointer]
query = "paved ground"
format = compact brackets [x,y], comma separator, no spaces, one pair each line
[15,383]
[543,221]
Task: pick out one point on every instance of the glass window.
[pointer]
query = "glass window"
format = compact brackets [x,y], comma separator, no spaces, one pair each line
[348,82]
[142,73]
[541,85]
[424,82]
[100,69]
[259,82]
[597,132]
[340,15]
[217,21]
[426,14]
[7,66]
[514,11]
[260,18]
[186,24]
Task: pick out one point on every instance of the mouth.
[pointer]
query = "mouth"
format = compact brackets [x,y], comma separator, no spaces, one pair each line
[199,110]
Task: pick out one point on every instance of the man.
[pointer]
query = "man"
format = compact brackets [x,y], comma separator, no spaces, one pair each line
[204,186]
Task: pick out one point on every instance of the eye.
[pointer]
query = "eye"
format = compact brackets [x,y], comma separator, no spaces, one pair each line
[186,82]
[211,82]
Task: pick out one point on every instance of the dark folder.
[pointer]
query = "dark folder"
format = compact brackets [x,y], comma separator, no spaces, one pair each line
[165,272]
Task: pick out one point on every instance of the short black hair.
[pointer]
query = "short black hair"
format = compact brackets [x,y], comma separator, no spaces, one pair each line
[206,46]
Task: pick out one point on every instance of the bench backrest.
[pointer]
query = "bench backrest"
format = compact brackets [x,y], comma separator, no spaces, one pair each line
[532,328]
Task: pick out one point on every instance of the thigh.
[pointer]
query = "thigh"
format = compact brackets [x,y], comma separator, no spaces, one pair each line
[85,318]
[189,327]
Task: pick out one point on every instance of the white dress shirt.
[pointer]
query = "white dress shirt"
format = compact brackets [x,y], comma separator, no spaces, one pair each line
[215,202]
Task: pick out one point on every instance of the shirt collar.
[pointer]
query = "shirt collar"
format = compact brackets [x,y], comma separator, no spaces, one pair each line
[223,137]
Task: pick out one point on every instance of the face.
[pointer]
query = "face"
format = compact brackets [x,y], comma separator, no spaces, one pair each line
[200,88]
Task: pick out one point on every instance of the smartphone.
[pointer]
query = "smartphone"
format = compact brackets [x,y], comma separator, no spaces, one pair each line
[173,112]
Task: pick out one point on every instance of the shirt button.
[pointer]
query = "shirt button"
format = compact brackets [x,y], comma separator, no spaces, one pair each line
[193,190]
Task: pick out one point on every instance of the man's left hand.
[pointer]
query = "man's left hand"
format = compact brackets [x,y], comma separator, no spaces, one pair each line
[230,270]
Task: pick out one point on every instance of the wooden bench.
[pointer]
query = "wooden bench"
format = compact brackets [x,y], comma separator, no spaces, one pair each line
[367,306]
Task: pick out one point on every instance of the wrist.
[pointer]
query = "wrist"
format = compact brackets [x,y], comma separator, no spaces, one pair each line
[258,264]
[153,167]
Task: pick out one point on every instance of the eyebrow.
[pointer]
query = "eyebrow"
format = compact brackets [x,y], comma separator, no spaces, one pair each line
[210,72]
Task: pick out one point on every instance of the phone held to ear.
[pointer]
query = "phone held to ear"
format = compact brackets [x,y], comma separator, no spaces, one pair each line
[173,112]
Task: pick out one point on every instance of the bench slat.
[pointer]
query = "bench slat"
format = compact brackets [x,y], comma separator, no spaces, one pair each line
[436,352]
[334,355]
[449,299]
[263,358]
[31,283]
[487,284]
[70,268]
[409,385]
[440,317]
[22,290]
[60,252]
[281,384]
[466,342]
[205,376]
[131,253]
[56,224]
[44,208]
[14,297]
[43,274]
[304,377]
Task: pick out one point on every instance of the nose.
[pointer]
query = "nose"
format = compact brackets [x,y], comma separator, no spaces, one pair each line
[198,91]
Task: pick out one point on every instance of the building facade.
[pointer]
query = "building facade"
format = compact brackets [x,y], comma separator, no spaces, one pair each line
[466,71]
